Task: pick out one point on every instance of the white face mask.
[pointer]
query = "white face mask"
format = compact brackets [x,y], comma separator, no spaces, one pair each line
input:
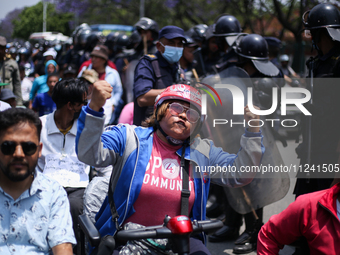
[172,54]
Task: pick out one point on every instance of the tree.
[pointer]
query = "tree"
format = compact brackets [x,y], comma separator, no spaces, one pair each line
[6,27]
[31,20]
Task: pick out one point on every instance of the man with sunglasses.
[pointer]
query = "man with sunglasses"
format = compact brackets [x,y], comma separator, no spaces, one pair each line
[58,157]
[34,211]
[148,162]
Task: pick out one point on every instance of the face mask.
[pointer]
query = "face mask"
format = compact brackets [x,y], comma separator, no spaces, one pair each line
[172,54]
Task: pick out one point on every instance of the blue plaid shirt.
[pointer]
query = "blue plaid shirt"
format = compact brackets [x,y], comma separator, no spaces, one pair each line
[37,221]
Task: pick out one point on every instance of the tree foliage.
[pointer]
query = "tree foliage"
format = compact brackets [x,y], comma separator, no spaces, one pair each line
[31,20]
[6,27]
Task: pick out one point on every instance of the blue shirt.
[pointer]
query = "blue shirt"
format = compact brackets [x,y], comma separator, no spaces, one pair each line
[44,103]
[37,221]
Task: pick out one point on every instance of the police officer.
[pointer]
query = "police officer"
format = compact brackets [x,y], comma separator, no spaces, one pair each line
[197,33]
[226,30]
[9,72]
[321,131]
[187,60]
[210,52]
[252,53]
[156,72]
[148,29]
[74,55]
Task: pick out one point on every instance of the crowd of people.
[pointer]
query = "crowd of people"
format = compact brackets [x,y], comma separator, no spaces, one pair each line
[127,109]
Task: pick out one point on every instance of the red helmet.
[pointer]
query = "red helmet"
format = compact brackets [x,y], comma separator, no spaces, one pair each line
[181,92]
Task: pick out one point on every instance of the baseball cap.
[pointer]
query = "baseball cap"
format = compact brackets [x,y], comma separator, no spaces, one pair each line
[90,75]
[100,51]
[6,94]
[171,32]
[3,41]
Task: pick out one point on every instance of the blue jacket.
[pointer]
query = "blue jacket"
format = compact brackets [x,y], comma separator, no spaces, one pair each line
[128,149]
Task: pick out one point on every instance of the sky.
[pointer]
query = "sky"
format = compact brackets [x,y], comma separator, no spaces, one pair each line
[9,5]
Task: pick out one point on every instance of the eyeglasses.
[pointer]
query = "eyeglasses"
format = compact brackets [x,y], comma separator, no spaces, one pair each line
[176,109]
[9,147]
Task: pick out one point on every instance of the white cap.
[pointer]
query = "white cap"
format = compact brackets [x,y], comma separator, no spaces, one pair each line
[50,52]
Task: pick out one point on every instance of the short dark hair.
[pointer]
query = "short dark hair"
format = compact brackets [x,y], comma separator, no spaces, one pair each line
[14,116]
[70,90]
[52,75]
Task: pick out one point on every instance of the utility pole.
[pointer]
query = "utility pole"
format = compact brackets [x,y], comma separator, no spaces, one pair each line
[141,8]
[44,14]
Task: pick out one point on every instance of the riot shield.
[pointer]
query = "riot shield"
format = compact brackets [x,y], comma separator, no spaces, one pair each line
[266,188]
[129,80]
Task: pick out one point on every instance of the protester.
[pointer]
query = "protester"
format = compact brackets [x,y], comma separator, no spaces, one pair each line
[26,86]
[150,149]
[35,216]
[314,216]
[43,103]
[58,159]
[39,84]
[99,58]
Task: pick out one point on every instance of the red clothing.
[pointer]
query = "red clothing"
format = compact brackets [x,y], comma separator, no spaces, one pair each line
[160,194]
[88,62]
[313,216]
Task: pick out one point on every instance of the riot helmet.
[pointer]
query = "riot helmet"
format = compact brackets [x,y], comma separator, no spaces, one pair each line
[82,37]
[148,24]
[110,39]
[190,42]
[13,51]
[77,30]
[121,42]
[255,48]
[134,40]
[23,51]
[197,33]
[323,16]
[227,26]
[91,41]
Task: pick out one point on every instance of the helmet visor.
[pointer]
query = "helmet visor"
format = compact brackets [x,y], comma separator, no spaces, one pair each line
[334,33]
[266,67]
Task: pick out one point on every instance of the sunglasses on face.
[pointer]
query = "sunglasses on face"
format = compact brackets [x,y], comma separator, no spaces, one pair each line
[9,147]
[176,109]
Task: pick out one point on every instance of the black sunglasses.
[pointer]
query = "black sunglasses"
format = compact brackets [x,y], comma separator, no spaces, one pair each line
[9,147]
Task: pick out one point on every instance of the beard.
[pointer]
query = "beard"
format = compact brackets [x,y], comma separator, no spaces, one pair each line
[13,175]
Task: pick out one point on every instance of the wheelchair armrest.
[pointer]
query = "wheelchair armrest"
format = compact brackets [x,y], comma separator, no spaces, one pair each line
[89,229]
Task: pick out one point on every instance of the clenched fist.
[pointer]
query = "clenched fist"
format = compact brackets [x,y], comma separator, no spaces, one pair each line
[248,115]
[100,93]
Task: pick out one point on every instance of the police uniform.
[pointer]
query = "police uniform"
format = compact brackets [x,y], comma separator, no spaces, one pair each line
[324,126]
[155,72]
[152,72]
